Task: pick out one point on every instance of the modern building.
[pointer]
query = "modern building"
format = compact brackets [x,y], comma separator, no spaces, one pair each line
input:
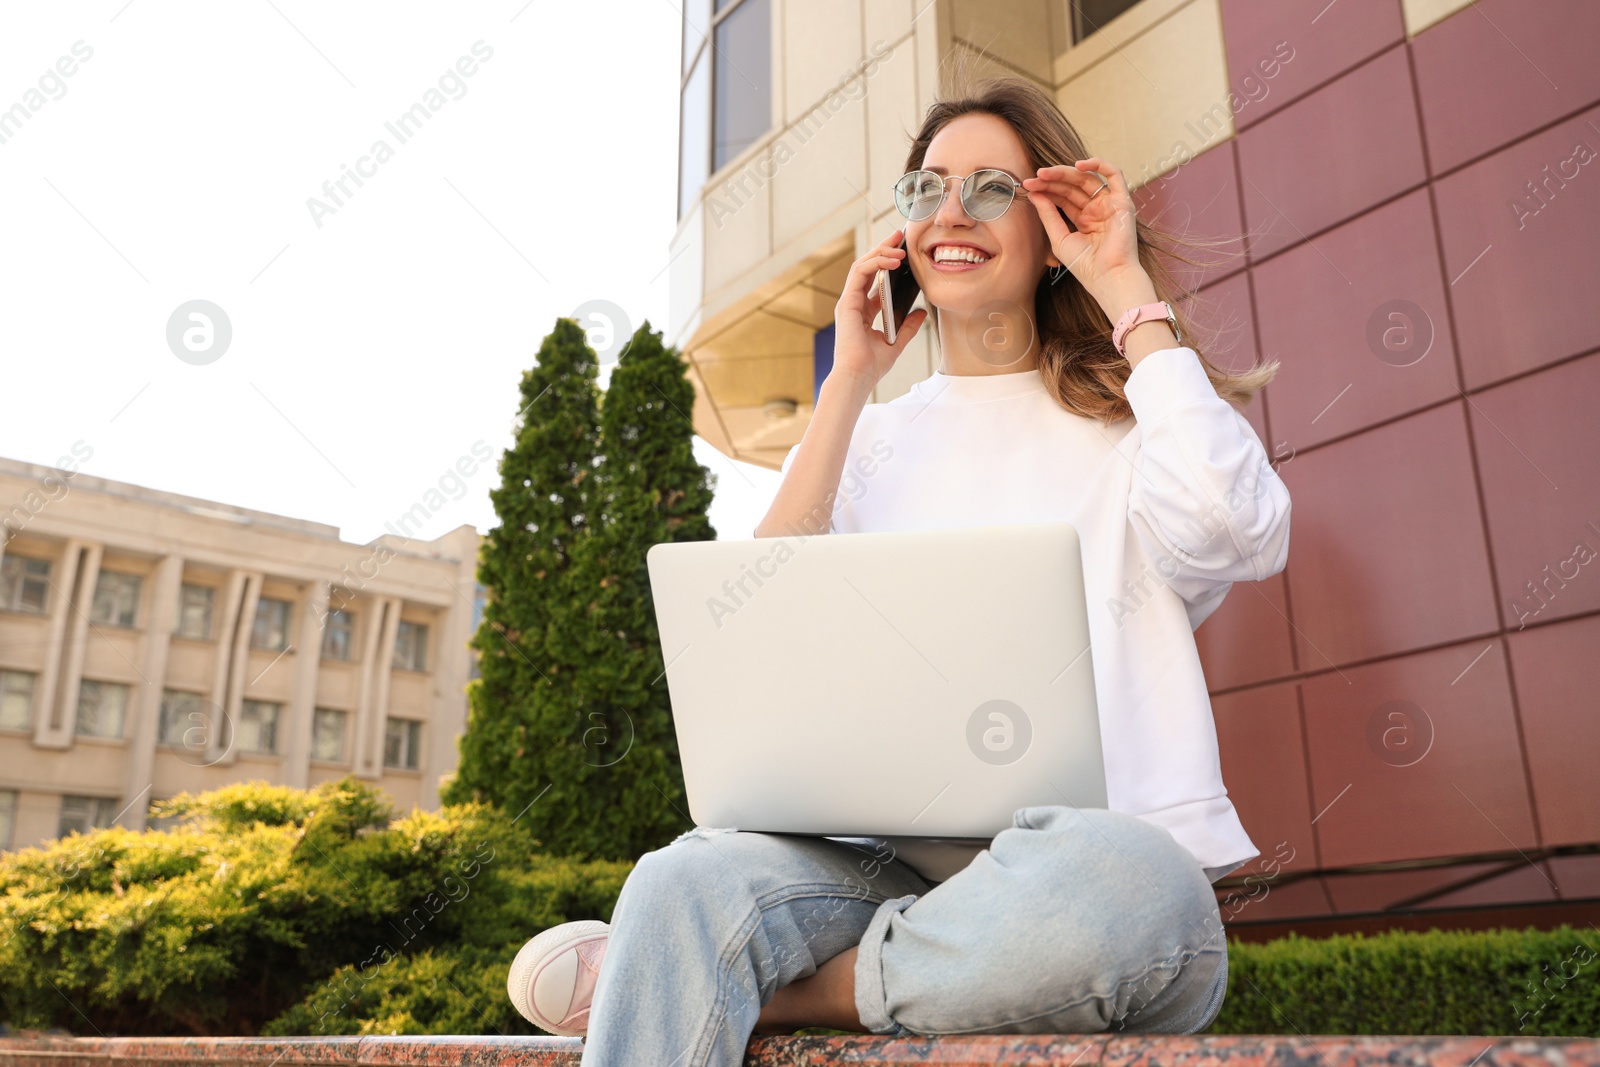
[153,644]
[1407,714]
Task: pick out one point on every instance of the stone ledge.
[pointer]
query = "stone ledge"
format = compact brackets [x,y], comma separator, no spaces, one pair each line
[1033,1050]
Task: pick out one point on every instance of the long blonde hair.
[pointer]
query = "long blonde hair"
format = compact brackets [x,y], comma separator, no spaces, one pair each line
[1077,359]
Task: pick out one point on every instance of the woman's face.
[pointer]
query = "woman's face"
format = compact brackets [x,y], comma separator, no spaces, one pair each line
[1015,244]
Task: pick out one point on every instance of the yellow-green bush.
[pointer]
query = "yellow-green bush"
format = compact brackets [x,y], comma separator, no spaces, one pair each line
[233,919]
[284,911]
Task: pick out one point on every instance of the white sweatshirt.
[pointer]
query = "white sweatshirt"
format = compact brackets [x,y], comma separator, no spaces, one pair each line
[1171,507]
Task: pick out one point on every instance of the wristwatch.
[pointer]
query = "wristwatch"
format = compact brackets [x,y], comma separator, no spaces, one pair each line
[1144,313]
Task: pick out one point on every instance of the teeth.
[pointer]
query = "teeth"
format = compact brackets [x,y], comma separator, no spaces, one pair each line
[956,254]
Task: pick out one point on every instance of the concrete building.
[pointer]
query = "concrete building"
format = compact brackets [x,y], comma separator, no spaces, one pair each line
[1407,715]
[152,644]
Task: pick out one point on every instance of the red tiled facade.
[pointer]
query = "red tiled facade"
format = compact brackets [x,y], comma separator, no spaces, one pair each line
[1421,687]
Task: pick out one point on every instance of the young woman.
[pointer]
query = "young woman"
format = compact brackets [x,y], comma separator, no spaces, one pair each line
[1057,398]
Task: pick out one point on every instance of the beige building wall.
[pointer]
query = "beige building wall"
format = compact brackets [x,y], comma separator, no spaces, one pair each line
[759,260]
[84,527]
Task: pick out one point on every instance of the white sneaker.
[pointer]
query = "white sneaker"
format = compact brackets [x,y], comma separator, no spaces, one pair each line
[552,980]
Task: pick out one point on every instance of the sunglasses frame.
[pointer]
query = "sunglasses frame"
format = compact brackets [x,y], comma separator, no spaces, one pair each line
[944,183]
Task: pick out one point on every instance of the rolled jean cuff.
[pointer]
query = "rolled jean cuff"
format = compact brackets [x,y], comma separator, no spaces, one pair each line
[871,998]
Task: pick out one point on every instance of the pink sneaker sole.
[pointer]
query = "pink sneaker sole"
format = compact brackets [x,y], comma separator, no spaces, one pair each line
[552,980]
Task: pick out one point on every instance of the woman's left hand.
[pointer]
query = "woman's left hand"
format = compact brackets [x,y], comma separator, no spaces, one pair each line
[1106,239]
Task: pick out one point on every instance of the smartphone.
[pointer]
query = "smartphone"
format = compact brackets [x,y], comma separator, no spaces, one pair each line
[897,291]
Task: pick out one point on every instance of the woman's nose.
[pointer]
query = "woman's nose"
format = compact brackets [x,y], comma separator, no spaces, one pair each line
[951,212]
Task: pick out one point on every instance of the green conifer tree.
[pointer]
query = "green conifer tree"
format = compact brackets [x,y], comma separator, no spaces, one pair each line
[570,726]
[647,490]
[513,748]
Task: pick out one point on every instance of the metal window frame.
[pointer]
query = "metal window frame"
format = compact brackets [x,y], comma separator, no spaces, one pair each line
[410,735]
[126,581]
[17,580]
[163,719]
[33,688]
[211,607]
[8,818]
[344,732]
[1075,18]
[101,687]
[349,630]
[288,621]
[417,648]
[248,706]
[701,53]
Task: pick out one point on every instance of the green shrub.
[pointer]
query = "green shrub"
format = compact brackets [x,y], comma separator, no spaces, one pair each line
[283,911]
[243,912]
[1496,982]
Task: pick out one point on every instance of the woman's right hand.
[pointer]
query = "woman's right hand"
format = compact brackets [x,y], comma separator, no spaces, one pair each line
[860,352]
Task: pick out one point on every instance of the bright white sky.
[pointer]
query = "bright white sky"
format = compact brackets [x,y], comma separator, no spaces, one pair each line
[370,354]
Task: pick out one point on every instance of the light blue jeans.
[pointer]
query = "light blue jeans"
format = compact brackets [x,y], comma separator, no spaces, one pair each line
[1073,920]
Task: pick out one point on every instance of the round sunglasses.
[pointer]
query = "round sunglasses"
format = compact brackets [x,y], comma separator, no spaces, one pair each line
[985,194]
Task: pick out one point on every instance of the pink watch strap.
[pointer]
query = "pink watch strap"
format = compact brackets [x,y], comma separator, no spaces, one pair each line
[1143,313]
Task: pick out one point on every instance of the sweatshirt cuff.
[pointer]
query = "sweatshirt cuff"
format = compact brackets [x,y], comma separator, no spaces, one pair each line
[1166,380]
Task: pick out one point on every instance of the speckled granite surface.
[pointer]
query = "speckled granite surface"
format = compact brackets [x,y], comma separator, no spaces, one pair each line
[1023,1050]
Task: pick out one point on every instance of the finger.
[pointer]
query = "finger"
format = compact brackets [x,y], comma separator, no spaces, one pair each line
[867,268]
[1062,240]
[1071,203]
[908,330]
[1063,193]
[1076,176]
[1111,172]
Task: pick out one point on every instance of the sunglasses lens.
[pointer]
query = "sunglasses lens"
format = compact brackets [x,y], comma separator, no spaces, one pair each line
[917,194]
[987,194]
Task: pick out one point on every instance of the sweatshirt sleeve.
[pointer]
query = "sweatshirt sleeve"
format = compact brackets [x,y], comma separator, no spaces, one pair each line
[1205,502]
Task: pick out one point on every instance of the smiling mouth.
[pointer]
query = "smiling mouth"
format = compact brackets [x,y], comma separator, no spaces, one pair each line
[960,264]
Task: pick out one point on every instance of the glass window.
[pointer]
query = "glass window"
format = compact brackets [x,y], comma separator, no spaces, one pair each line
[194,611]
[1090,16]
[82,814]
[480,601]
[271,628]
[116,599]
[402,739]
[8,816]
[101,709]
[696,28]
[743,80]
[24,584]
[338,630]
[327,734]
[411,646]
[694,135]
[258,727]
[185,720]
[16,701]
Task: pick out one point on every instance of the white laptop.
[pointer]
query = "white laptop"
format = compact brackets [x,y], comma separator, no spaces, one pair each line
[924,683]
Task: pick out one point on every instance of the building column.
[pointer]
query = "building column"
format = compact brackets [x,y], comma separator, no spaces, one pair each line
[447,720]
[377,656]
[72,596]
[227,680]
[308,657]
[145,708]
